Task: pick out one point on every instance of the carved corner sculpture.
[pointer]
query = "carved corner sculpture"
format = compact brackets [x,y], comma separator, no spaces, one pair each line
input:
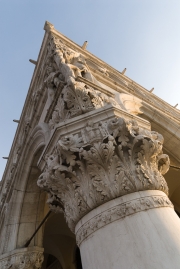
[67,96]
[104,161]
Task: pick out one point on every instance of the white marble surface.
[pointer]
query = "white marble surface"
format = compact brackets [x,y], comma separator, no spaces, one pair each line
[148,239]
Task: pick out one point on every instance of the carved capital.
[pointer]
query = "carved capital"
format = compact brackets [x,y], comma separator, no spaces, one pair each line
[23,259]
[103,161]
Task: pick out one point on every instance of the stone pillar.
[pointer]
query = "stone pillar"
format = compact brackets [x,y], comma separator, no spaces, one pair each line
[139,230]
[24,258]
[107,178]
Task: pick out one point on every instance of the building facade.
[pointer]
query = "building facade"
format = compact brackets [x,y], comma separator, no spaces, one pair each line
[93,169]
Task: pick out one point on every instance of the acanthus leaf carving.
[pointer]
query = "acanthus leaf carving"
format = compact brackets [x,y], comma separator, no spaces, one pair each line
[104,161]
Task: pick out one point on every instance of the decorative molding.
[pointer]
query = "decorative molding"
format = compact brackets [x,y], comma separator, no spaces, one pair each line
[95,86]
[120,211]
[101,162]
[103,71]
[23,260]
[126,85]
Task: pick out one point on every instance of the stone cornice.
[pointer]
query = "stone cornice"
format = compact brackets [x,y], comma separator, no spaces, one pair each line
[118,74]
[95,59]
[148,98]
[96,87]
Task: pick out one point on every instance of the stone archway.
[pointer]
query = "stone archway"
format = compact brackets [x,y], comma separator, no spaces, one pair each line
[59,242]
[32,211]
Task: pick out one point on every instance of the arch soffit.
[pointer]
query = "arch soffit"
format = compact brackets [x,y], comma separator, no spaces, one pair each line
[34,142]
[37,139]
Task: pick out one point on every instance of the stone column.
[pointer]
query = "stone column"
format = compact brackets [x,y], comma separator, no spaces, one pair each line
[108,180]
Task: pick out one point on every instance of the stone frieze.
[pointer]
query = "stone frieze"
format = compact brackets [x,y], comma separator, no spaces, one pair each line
[120,211]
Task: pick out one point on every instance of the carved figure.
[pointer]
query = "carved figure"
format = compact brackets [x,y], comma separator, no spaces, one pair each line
[79,61]
[64,68]
[70,63]
[76,97]
[52,82]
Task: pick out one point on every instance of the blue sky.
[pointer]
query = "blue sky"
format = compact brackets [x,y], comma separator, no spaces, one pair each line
[141,35]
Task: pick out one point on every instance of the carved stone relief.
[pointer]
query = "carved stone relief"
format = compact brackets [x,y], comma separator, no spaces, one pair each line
[69,62]
[120,211]
[104,161]
[130,103]
[72,103]
[26,260]
[63,67]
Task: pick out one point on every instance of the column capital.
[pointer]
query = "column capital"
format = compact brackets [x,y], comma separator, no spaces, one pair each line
[101,162]
[24,258]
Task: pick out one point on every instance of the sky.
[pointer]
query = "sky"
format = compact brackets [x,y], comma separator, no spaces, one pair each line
[141,35]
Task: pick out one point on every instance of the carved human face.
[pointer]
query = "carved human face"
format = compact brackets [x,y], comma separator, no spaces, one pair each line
[49,69]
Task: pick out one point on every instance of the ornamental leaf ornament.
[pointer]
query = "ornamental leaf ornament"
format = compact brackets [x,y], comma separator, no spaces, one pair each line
[103,161]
